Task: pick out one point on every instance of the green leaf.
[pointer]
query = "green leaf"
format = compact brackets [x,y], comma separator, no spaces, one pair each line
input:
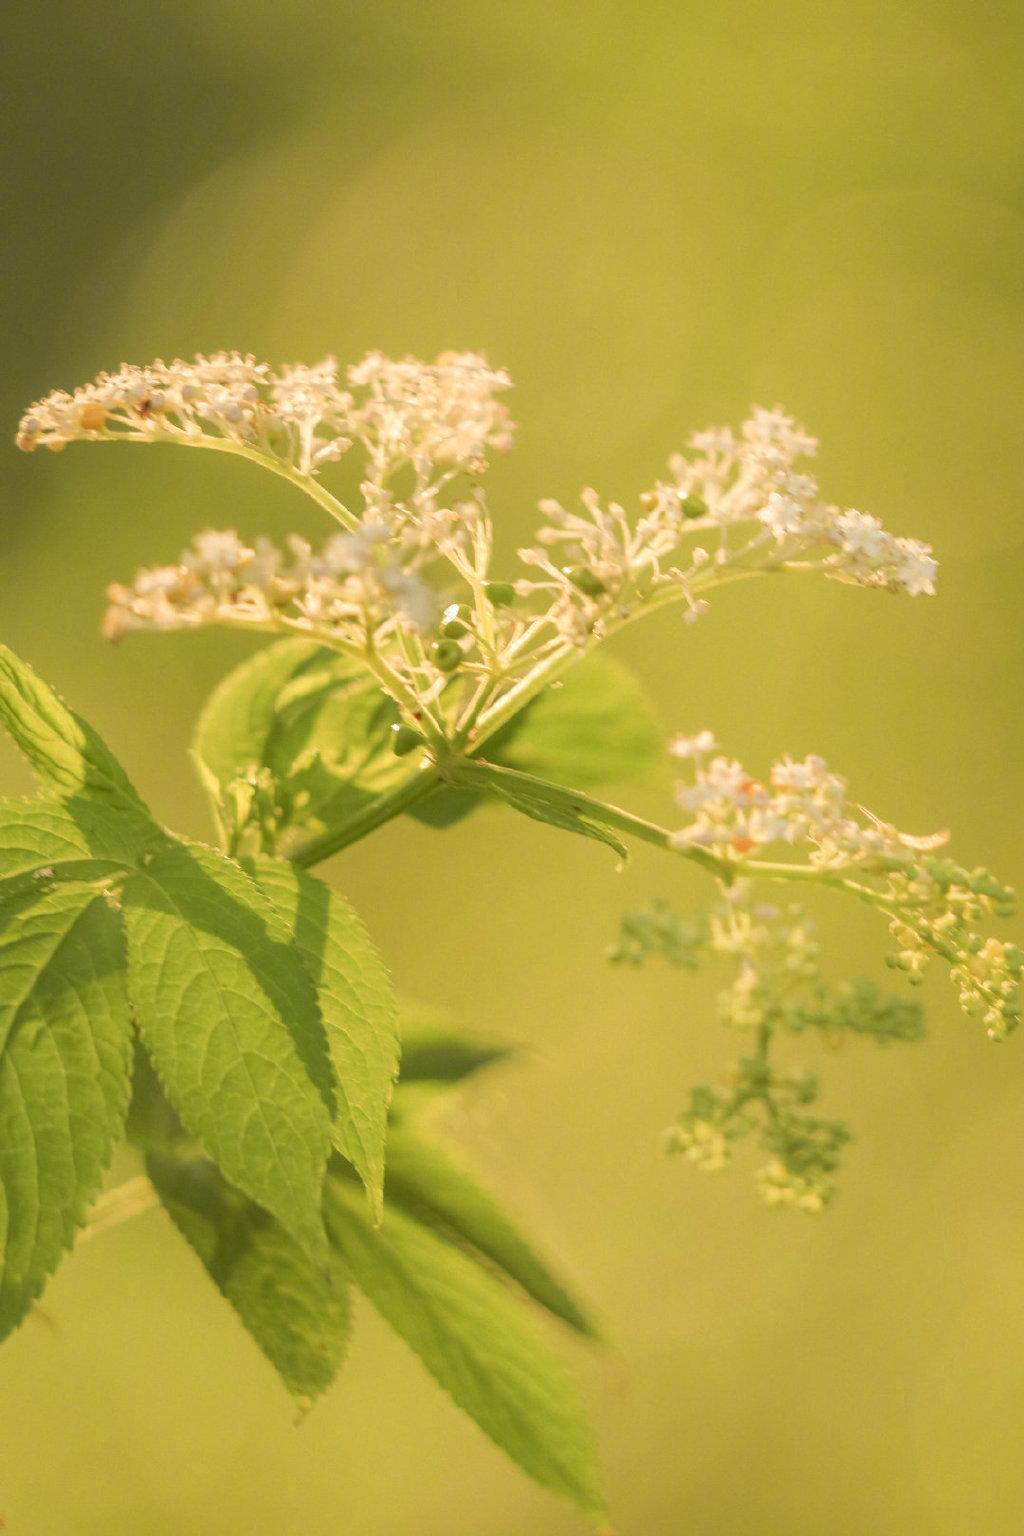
[65,1064]
[357,1006]
[566,817]
[68,756]
[311,720]
[434,1052]
[76,839]
[429,1185]
[297,1311]
[229,1017]
[596,727]
[470,1334]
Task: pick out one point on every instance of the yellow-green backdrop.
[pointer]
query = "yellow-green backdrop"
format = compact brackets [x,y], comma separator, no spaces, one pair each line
[652,213]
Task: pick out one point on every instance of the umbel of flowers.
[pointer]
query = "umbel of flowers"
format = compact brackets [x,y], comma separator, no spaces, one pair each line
[403,584]
[417,541]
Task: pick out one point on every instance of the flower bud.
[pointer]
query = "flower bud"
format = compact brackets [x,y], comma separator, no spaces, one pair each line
[447,655]
[405,740]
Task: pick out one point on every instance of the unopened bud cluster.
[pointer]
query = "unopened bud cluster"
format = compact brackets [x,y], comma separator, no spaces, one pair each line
[775,989]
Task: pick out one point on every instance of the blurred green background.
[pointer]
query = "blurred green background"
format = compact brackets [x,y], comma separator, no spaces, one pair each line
[652,214]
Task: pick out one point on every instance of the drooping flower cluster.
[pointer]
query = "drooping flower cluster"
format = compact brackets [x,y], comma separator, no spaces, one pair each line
[303,417]
[776,989]
[738,503]
[932,903]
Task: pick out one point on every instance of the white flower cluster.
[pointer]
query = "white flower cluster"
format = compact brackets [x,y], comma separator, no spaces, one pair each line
[755,476]
[802,804]
[442,414]
[428,414]
[932,902]
[352,589]
[737,504]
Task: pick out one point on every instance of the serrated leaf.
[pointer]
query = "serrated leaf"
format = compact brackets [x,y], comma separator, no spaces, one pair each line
[431,1186]
[596,727]
[311,719]
[68,756]
[297,1311]
[65,1066]
[357,1006]
[69,840]
[470,1333]
[229,1017]
[565,818]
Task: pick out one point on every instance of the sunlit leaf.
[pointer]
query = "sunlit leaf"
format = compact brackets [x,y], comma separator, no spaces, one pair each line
[357,1007]
[471,1334]
[230,1019]
[65,1064]
[296,1310]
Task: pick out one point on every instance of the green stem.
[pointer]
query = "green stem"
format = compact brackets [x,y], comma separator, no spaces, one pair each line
[313,488]
[385,808]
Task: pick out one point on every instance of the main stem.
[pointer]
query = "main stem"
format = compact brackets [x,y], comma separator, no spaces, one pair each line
[395,803]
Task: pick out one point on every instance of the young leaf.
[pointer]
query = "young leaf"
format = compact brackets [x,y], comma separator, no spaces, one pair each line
[297,1311]
[357,1006]
[313,721]
[68,756]
[65,1065]
[229,1017]
[470,1334]
[429,1185]
[566,818]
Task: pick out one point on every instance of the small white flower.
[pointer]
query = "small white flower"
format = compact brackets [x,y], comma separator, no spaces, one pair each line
[693,746]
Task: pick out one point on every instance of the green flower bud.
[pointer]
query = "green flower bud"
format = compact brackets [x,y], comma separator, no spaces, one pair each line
[447,655]
[693,506]
[454,629]
[405,740]
[500,593]
[585,581]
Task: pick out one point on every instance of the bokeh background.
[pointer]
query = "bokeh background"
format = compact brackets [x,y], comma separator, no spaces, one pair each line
[652,214]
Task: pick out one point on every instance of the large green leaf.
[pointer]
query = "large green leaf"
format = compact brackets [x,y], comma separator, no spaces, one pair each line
[230,1020]
[65,1067]
[597,726]
[296,1310]
[470,1333]
[427,1183]
[357,1006]
[76,839]
[68,756]
[311,721]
